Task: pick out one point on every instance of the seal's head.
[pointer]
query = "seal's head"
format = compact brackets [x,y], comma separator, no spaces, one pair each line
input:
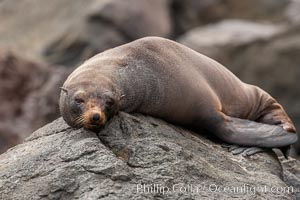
[87,104]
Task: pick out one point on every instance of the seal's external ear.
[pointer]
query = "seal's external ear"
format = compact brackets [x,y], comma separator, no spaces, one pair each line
[122,96]
[64,89]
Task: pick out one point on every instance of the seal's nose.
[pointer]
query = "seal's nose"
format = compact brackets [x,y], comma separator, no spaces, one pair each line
[96,117]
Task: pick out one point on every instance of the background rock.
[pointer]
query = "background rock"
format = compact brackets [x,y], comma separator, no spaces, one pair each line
[29,93]
[189,14]
[57,162]
[70,31]
[292,13]
[16,82]
[219,40]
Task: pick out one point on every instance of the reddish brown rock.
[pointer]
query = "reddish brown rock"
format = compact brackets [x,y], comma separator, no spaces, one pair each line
[28,93]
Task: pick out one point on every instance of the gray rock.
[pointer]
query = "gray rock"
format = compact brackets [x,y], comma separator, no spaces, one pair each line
[219,39]
[263,55]
[70,31]
[292,13]
[291,176]
[189,14]
[109,24]
[133,151]
[136,18]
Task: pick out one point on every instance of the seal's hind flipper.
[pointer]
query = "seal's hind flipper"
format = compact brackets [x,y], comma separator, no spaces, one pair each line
[254,134]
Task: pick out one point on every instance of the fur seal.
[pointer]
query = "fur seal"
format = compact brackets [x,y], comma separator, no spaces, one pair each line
[164,79]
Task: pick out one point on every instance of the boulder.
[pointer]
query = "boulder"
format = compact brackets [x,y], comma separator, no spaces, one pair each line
[28,92]
[136,157]
[291,170]
[16,82]
[188,14]
[263,55]
[220,39]
[292,13]
[70,31]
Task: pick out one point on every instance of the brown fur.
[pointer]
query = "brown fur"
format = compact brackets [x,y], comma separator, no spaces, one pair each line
[165,79]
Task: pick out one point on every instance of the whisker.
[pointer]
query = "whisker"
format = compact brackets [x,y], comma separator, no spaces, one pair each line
[79,120]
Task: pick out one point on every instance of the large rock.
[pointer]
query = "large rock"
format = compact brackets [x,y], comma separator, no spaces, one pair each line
[28,92]
[291,170]
[69,31]
[263,55]
[18,79]
[136,157]
[189,14]
[219,40]
[292,13]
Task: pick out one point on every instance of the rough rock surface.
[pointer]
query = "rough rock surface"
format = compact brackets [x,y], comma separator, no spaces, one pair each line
[291,170]
[269,58]
[58,162]
[70,31]
[28,92]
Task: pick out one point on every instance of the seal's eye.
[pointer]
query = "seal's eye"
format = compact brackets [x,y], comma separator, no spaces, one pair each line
[78,100]
[110,102]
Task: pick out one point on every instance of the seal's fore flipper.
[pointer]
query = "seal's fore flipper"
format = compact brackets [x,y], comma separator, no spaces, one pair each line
[244,151]
[249,133]
[249,151]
